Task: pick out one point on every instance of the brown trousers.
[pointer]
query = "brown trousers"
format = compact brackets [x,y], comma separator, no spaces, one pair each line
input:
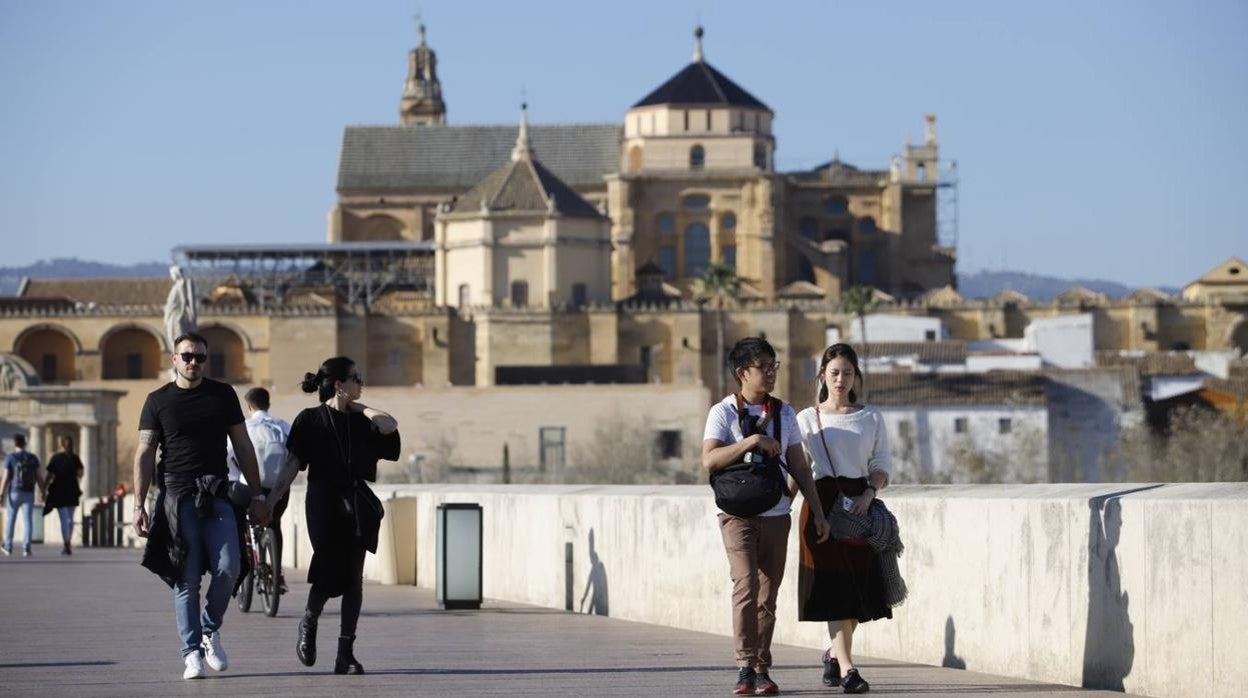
[756,547]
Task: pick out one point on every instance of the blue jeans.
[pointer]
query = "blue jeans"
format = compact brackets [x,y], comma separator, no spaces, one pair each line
[67,523]
[24,501]
[212,547]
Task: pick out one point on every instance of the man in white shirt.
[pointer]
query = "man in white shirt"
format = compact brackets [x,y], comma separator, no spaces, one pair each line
[268,436]
[743,429]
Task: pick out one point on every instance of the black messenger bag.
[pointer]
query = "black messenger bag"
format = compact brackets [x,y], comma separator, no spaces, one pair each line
[751,487]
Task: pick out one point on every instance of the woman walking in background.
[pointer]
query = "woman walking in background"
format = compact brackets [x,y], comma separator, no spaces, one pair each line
[65,469]
[339,442]
[840,581]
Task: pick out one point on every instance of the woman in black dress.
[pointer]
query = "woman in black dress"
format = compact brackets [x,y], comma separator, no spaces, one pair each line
[339,443]
[64,471]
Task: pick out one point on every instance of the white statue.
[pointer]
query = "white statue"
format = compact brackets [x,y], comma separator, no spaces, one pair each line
[8,377]
[894,169]
[180,306]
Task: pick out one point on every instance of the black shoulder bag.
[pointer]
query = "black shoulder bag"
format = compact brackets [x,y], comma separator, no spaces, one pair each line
[755,485]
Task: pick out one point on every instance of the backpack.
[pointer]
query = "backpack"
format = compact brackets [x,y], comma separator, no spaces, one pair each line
[751,487]
[26,466]
[270,450]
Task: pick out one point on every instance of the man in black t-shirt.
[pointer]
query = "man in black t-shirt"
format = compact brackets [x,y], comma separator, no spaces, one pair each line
[189,419]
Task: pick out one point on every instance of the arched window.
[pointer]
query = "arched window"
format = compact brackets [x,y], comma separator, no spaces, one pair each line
[728,222]
[697,158]
[697,249]
[226,354]
[380,228]
[836,205]
[519,294]
[634,159]
[465,296]
[131,353]
[728,255]
[51,352]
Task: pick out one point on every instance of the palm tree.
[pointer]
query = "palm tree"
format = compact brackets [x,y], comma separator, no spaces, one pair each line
[719,286]
[859,301]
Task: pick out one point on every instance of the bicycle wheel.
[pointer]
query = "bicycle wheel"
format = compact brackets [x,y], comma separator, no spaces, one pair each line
[270,566]
[245,591]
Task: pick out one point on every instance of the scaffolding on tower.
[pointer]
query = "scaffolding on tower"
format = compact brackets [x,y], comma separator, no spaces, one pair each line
[947,207]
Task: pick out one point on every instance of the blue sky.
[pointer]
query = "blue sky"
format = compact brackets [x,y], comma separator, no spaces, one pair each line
[1104,140]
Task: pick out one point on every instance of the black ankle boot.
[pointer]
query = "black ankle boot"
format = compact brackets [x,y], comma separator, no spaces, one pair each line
[305,647]
[346,662]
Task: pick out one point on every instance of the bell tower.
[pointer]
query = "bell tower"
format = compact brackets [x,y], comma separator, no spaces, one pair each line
[422,103]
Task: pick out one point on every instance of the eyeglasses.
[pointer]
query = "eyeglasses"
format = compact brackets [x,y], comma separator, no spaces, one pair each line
[768,368]
[188,357]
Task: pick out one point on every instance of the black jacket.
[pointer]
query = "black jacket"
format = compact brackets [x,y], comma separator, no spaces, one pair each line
[165,552]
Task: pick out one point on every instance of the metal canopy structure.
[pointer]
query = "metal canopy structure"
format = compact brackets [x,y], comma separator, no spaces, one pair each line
[359,273]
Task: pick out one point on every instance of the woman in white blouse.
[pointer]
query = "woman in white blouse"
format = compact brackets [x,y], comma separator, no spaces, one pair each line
[839,581]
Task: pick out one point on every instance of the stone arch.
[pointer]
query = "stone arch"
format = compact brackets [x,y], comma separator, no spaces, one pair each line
[634,159]
[1237,336]
[227,353]
[131,351]
[51,349]
[380,228]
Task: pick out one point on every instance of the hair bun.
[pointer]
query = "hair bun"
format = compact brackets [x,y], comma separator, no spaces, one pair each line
[311,381]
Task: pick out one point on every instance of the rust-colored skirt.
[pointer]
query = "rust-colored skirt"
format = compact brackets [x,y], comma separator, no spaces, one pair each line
[838,580]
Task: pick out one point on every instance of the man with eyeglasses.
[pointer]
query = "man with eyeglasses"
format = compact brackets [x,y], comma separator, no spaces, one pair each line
[197,523]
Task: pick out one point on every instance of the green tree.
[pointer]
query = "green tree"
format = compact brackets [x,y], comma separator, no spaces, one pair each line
[719,287]
[858,301]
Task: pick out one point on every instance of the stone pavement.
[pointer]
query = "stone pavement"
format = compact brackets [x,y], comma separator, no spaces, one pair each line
[97,624]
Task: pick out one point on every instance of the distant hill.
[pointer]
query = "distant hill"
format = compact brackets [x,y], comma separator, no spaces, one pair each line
[986,284]
[72,268]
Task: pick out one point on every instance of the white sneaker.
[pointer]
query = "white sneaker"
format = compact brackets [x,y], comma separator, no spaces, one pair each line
[214,652]
[194,666]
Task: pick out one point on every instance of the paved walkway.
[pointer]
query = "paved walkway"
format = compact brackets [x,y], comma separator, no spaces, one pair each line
[96,624]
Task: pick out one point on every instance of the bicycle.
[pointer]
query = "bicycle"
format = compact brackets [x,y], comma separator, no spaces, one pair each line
[265,569]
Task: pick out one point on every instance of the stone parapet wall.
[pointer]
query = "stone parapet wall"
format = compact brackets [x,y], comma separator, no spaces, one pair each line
[1138,587]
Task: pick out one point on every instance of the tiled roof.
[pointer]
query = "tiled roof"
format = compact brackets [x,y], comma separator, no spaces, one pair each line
[458,157]
[969,389]
[524,185]
[1166,363]
[699,83]
[947,352]
[111,292]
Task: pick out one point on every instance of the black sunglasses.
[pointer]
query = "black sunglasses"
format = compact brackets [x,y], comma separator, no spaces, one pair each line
[187,357]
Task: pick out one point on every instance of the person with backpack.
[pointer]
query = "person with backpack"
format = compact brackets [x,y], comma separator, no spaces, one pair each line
[751,440]
[21,477]
[268,437]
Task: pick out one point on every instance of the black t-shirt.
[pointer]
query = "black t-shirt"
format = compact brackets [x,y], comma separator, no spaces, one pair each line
[192,425]
[323,438]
